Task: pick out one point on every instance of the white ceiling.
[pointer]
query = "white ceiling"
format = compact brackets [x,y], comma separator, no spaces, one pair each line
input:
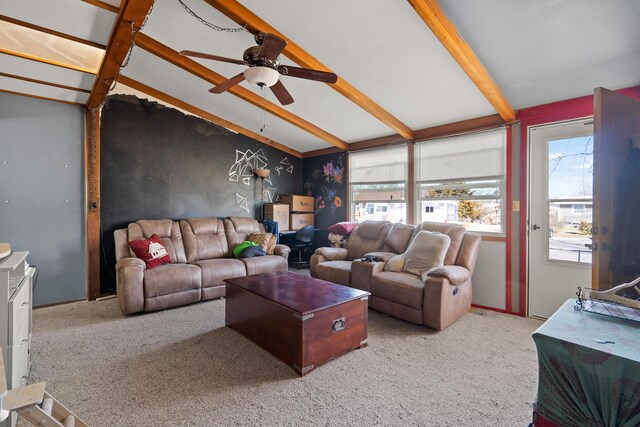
[72,17]
[536,51]
[545,51]
[386,51]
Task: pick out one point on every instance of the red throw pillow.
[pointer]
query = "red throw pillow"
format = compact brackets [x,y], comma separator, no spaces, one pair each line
[343,228]
[151,251]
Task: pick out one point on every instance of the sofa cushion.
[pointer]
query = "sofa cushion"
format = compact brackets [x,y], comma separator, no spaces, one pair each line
[166,229]
[398,238]
[171,278]
[335,271]
[401,288]
[204,238]
[368,237]
[427,250]
[264,264]
[266,240]
[237,229]
[455,232]
[151,251]
[215,271]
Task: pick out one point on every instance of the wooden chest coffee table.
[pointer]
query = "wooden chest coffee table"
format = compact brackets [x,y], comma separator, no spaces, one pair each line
[304,322]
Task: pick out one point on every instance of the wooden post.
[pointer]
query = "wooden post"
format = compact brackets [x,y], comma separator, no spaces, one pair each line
[411,184]
[92,185]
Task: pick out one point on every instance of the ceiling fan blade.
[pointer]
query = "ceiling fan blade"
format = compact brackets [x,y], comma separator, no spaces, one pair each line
[307,73]
[227,84]
[281,93]
[272,47]
[208,56]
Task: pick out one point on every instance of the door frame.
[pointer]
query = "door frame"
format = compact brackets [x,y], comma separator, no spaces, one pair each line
[562,111]
[569,109]
[529,204]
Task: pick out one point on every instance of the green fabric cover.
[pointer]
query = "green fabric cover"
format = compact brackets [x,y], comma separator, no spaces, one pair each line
[242,246]
[585,383]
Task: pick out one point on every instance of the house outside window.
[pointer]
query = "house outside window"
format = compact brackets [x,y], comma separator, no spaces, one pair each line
[461,180]
[378,184]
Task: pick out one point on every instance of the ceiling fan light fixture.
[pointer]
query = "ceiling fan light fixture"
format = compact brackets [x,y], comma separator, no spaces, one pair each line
[261,76]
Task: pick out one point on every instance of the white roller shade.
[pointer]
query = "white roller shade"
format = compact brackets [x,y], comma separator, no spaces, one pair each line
[462,157]
[385,165]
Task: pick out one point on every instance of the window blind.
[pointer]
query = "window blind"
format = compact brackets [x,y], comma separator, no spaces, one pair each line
[462,157]
[383,165]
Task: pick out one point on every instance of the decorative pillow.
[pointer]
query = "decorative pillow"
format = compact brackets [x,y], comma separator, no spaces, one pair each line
[337,240]
[151,251]
[343,228]
[427,250]
[266,240]
[237,251]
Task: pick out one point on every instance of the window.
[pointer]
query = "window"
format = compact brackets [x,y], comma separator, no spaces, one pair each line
[378,184]
[461,180]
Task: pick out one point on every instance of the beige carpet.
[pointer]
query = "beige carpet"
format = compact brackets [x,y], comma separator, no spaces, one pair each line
[182,367]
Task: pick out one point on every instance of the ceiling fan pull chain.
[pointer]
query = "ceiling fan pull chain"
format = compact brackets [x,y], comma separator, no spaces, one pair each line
[210,24]
[263,110]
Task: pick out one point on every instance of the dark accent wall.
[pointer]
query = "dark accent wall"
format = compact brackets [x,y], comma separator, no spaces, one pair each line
[157,162]
[325,178]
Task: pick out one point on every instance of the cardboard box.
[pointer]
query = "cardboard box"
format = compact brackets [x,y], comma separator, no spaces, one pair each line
[299,220]
[298,203]
[278,212]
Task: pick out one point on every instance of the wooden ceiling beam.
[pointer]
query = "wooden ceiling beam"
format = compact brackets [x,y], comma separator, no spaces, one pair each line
[446,32]
[103,5]
[204,114]
[132,13]
[164,52]
[46,61]
[450,129]
[244,17]
[41,97]
[42,82]
[51,32]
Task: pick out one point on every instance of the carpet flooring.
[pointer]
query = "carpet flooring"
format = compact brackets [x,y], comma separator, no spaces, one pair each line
[182,367]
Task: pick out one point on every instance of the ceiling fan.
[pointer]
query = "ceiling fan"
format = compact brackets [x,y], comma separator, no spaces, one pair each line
[264,67]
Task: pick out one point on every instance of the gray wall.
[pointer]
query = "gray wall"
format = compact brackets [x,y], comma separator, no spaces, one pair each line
[42,192]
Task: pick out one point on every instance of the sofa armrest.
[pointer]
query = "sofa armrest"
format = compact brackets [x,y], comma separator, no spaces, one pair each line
[315,259]
[130,284]
[455,274]
[445,301]
[382,256]
[362,272]
[332,254]
[282,250]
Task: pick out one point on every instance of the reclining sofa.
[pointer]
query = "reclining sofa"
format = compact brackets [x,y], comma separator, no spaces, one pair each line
[200,249]
[437,301]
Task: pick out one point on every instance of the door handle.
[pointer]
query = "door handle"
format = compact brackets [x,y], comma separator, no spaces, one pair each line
[592,246]
[535,227]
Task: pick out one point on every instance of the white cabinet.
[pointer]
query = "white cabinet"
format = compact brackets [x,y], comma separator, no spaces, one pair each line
[16,286]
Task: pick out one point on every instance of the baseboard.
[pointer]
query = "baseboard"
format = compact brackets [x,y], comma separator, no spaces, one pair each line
[499,310]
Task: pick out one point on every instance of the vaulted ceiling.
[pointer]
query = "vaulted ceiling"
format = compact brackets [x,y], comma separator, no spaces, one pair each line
[402,66]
